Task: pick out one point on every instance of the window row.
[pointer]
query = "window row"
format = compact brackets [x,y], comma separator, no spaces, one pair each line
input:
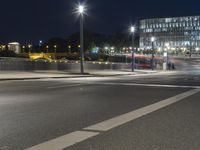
[170,25]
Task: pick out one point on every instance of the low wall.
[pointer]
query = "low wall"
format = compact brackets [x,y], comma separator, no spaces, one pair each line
[26,65]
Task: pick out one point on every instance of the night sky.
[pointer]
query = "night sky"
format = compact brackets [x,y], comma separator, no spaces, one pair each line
[34,20]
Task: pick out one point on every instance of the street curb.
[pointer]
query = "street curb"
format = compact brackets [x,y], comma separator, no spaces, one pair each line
[81,76]
[21,79]
[12,79]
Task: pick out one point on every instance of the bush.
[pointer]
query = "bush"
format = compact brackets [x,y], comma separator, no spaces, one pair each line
[7,53]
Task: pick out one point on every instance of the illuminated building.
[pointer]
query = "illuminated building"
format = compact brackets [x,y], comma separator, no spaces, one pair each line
[14,46]
[180,33]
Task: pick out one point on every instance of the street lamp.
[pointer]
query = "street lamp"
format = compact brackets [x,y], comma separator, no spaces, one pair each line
[29,46]
[132,30]
[106,50]
[69,49]
[47,49]
[81,11]
[23,49]
[152,57]
[167,53]
[40,43]
[55,51]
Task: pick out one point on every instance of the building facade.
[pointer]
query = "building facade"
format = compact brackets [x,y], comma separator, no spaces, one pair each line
[179,34]
[14,46]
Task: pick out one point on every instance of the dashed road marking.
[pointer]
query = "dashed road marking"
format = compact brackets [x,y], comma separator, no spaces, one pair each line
[64,141]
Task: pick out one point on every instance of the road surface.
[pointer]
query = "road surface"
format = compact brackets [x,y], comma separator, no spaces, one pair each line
[154,111]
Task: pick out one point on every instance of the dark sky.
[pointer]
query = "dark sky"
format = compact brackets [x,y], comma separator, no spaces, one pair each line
[34,20]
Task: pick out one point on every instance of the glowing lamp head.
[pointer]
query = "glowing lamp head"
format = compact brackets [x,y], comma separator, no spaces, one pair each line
[152,39]
[132,29]
[167,44]
[81,9]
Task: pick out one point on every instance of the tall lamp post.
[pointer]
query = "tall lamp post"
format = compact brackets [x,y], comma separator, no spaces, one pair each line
[81,11]
[167,52]
[152,57]
[132,29]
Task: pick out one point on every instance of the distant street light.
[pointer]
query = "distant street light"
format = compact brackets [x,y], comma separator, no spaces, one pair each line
[132,30]
[167,48]
[47,49]
[152,57]
[29,47]
[112,49]
[106,50]
[40,43]
[69,49]
[81,11]
[23,49]
[55,50]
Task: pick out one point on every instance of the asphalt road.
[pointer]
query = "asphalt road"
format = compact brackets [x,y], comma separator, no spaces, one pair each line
[102,113]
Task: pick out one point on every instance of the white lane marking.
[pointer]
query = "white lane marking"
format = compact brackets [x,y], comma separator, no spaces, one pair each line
[64,141]
[69,85]
[79,136]
[151,85]
[122,119]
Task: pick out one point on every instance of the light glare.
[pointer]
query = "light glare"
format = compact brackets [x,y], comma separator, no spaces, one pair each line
[81,9]
[132,29]
[152,39]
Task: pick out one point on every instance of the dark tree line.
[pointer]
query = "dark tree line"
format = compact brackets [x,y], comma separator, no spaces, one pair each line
[91,39]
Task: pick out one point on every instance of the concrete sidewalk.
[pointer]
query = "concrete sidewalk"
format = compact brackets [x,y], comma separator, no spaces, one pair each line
[40,74]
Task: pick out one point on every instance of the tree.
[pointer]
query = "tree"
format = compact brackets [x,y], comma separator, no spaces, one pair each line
[7,53]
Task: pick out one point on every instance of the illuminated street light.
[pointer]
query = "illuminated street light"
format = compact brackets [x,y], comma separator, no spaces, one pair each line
[167,44]
[81,9]
[40,43]
[23,48]
[112,49]
[132,30]
[106,49]
[152,57]
[47,49]
[152,39]
[167,51]
[55,50]
[29,46]
[69,49]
